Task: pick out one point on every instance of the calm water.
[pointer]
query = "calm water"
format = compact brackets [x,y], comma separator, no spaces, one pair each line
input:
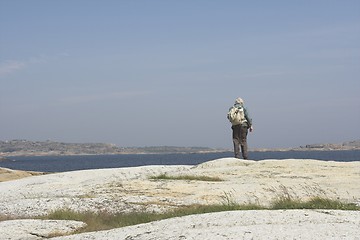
[71,163]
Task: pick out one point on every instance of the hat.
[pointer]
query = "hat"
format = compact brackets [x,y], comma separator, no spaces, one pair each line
[239,101]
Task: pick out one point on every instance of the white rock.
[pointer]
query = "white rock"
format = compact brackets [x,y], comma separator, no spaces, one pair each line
[131,189]
[238,225]
[37,229]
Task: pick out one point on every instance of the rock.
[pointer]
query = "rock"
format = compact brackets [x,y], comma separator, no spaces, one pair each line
[7,174]
[265,224]
[130,189]
[37,229]
[244,181]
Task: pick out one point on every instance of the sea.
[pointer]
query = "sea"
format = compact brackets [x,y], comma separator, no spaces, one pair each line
[82,162]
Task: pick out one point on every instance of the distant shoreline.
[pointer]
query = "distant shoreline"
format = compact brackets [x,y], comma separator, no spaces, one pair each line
[48,148]
[4,156]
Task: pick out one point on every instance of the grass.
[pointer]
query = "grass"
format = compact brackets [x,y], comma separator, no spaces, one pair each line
[105,220]
[97,221]
[187,177]
[5,218]
[287,199]
[313,203]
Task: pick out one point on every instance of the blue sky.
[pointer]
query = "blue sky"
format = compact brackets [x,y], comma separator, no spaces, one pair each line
[150,73]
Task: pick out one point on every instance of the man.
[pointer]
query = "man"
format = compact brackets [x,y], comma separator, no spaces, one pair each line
[240,128]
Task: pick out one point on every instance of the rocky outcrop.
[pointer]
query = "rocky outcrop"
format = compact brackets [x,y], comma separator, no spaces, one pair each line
[7,174]
[133,189]
[242,225]
[129,189]
[37,229]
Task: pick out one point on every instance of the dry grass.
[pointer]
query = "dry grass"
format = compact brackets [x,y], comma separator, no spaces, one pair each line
[105,220]
[313,203]
[187,177]
[5,217]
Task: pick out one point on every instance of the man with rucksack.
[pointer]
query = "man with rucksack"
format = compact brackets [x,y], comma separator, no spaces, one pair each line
[241,122]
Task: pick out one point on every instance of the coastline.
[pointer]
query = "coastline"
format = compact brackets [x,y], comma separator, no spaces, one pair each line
[4,156]
[50,148]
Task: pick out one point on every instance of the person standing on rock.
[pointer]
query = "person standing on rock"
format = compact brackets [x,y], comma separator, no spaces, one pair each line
[241,122]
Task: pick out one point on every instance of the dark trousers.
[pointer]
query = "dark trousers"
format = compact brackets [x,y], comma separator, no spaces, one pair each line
[239,139]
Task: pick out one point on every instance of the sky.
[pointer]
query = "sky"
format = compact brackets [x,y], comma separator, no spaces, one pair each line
[164,73]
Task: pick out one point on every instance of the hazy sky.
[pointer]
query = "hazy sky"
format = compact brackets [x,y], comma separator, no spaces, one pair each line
[150,73]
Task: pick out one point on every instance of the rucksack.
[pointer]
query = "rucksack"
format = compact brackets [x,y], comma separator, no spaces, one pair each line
[236,115]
